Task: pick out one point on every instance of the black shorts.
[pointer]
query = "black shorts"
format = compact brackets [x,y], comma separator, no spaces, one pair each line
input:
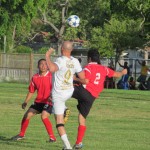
[85,100]
[41,106]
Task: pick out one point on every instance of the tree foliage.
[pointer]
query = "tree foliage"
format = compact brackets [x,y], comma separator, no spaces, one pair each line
[108,25]
[15,20]
[125,28]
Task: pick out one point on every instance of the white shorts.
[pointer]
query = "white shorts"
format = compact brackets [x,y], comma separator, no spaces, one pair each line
[59,99]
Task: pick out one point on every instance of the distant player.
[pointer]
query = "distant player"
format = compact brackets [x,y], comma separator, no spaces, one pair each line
[96,74]
[64,69]
[42,83]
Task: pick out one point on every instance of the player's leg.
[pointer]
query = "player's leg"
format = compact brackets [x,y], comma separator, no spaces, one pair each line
[85,101]
[61,130]
[59,107]
[81,132]
[48,125]
[24,123]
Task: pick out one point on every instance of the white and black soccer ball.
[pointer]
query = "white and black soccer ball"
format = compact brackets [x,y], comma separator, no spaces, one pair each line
[73,21]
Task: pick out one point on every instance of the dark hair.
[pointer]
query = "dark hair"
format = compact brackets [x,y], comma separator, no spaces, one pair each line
[125,63]
[94,55]
[143,62]
[131,78]
[40,61]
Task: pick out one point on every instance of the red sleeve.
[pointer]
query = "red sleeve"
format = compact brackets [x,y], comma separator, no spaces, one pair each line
[87,72]
[110,72]
[32,86]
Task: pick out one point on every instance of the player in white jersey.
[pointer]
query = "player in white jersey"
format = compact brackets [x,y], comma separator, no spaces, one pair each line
[63,80]
[65,67]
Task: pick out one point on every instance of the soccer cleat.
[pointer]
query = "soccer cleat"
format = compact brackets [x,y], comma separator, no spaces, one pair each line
[17,138]
[66,115]
[51,140]
[78,146]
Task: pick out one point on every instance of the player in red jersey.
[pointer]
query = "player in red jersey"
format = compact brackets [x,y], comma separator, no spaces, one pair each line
[40,82]
[86,94]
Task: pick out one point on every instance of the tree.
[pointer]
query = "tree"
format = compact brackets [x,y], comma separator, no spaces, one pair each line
[49,17]
[116,36]
[125,27]
[107,24]
[137,10]
[15,20]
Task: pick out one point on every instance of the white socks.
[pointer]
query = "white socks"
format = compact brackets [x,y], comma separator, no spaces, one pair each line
[66,141]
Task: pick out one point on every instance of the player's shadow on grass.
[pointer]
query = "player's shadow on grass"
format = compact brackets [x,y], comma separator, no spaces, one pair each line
[9,141]
[2,138]
[6,140]
[133,99]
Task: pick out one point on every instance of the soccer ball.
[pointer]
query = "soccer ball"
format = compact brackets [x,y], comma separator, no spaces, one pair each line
[73,21]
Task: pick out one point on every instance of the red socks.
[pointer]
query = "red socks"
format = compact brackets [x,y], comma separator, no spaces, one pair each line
[49,128]
[24,125]
[47,123]
[81,131]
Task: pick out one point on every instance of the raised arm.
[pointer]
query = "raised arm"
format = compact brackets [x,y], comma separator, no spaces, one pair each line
[139,62]
[120,64]
[51,65]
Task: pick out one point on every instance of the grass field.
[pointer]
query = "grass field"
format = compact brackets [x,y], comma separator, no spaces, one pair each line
[119,120]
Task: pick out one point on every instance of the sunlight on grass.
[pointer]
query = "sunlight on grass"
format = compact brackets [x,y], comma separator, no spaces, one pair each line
[119,120]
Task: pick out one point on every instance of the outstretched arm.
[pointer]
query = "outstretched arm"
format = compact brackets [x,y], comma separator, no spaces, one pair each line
[81,78]
[51,66]
[120,74]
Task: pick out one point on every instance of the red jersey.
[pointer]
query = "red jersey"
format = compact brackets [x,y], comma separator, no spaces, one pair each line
[96,74]
[43,85]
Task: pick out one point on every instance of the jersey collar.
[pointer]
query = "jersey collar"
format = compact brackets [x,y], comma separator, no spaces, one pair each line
[93,63]
[44,75]
[68,57]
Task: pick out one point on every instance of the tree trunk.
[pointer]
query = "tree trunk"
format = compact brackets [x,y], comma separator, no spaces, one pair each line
[5,43]
[13,39]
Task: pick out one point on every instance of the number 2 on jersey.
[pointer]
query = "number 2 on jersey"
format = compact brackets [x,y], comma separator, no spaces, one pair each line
[96,81]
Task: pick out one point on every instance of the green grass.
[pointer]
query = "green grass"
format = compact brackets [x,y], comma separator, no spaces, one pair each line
[119,120]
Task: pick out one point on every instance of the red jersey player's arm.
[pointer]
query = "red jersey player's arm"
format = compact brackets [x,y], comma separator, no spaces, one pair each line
[28,97]
[120,74]
[51,66]
[81,78]
[82,81]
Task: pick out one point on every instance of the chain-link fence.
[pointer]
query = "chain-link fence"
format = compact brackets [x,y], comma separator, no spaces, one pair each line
[21,67]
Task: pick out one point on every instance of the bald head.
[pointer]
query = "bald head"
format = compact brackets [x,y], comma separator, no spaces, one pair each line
[67,45]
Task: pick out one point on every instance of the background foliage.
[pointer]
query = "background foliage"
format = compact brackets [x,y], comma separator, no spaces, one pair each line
[106,24]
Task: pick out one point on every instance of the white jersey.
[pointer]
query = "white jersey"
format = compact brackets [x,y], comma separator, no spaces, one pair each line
[63,78]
